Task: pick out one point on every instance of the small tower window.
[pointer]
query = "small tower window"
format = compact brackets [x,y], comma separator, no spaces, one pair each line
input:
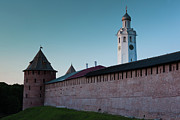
[43,80]
[26,80]
[35,80]
[40,95]
[131,59]
[29,87]
[38,72]
[130,39]
[33,72]
[40,87]
[26,95]
[124,39]
[119,40]
[125,23]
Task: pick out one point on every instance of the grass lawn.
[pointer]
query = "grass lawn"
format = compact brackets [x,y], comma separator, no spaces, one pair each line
[52,113]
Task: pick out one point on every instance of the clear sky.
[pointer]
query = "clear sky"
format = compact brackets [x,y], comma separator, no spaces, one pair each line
[81,31]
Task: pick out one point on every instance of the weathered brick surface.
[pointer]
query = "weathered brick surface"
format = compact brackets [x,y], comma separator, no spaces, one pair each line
[156,95]
[34,91]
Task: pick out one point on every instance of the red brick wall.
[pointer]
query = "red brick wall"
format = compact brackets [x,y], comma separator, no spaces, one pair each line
[155,95]
[34,89]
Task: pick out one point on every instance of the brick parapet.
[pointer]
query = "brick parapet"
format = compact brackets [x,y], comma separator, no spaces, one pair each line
[144,93]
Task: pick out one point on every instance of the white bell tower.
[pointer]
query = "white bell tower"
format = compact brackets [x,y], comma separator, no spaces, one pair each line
[126,38]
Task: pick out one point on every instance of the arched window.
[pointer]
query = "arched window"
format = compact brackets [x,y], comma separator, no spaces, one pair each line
[124,39]
[130,39]
[119,40]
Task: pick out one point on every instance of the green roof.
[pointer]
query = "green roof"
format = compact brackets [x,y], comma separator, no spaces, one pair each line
[62,78]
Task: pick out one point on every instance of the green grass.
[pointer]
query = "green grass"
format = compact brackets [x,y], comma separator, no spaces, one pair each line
[52,113]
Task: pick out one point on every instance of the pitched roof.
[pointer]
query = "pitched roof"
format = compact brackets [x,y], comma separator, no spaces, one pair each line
[150,62]
[75,74]
[71,70]
[85,71]
[40,62]
[62,78]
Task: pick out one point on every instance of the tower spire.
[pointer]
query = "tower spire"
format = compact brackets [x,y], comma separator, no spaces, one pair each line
[126,8]
[41,47]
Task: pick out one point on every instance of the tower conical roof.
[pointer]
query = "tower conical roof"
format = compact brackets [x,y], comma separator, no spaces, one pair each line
[40,62]
[71,69]
[126,17]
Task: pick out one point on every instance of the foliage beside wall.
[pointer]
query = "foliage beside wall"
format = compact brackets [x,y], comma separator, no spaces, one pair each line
[11,97]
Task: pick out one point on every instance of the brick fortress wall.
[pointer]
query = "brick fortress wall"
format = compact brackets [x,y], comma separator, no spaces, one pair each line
[34,87]
[152,92]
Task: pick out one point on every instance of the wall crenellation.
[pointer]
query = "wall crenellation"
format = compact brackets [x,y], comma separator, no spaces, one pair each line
[156,70]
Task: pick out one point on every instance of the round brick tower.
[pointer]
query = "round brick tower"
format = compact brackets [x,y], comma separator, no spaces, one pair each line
[36,75]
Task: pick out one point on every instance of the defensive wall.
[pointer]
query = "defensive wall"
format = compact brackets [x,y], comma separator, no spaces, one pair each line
[151,92]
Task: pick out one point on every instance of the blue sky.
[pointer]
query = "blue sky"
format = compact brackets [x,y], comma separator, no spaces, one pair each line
[81,31]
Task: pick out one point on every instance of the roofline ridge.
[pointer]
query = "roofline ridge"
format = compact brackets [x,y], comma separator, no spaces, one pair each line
[146,59]
[162,59]
[38,63]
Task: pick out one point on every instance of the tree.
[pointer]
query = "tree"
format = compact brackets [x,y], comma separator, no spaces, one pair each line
[11,98]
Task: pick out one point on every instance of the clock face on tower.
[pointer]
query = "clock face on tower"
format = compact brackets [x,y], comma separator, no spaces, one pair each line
[131,47]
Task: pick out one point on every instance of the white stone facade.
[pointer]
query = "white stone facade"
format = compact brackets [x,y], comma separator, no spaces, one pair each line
[126,38]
